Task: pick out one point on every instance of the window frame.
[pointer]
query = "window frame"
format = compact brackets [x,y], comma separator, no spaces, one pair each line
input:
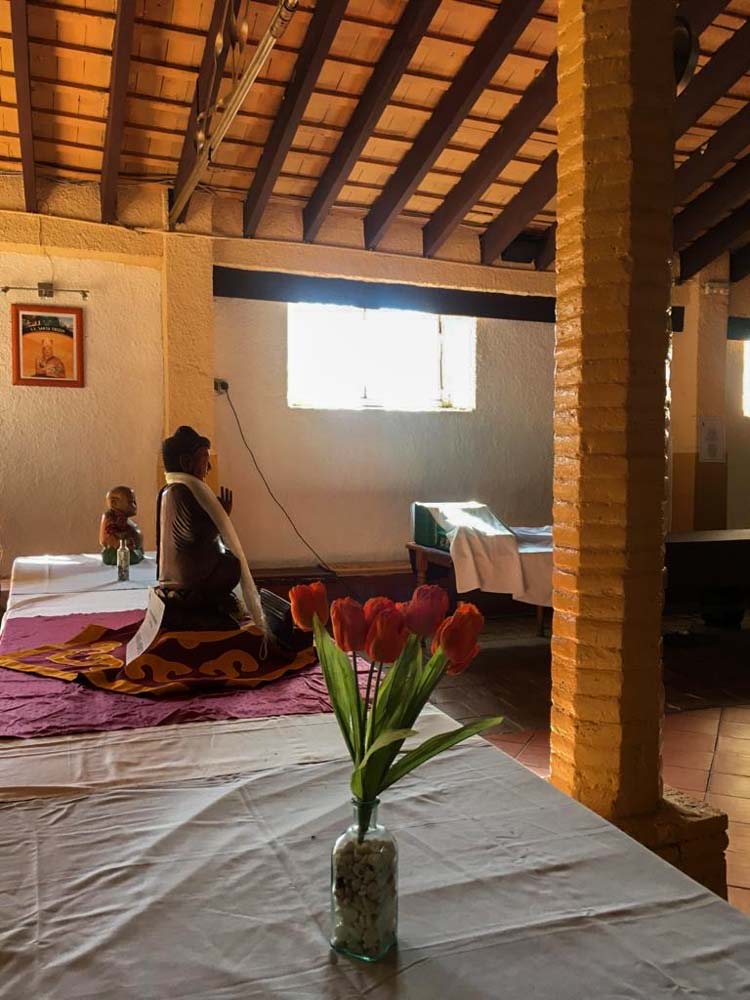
[369,402]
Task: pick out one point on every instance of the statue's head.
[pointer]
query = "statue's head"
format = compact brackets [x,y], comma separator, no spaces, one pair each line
[122,498]
[46,350]
[187,451]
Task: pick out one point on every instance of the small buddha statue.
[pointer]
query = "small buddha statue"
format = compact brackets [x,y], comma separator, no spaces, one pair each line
[117,523]
[197,571]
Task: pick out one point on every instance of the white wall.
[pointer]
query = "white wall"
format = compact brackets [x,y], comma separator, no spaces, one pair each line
[61,449]
[348,478]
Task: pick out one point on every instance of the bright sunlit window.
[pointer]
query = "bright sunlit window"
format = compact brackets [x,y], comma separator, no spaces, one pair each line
[746,378]
[346,358]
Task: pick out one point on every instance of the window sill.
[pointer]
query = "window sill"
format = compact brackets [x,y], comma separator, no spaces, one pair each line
[379,409]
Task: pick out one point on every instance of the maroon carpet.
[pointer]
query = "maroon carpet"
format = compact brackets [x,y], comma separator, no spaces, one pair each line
[37,706]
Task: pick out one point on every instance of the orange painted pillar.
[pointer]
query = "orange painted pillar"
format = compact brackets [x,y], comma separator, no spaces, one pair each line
[614,239]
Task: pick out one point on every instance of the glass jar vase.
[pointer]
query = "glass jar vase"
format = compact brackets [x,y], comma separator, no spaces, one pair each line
[364,900]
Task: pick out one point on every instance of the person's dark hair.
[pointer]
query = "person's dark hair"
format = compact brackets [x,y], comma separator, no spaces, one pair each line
[184,441]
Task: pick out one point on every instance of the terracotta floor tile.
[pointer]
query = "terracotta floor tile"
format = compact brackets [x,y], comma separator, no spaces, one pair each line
[732,744]
[730,784]
[680,757]
[686,779]
[540,739]
[705,721]
[739,838]
[512,749]
[522,736]
[736,714]
[534,757]
[737,730]
[738,870]
[740,898]
[731,763]
[690,741]
[737,809]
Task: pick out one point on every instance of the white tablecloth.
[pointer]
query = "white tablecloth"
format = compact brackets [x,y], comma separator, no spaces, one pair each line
[216,887]
[76,584]
[82,572]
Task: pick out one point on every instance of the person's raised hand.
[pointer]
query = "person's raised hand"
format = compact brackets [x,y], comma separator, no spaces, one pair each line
[225,499]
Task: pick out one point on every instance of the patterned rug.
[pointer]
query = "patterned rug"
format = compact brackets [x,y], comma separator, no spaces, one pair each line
[46,703]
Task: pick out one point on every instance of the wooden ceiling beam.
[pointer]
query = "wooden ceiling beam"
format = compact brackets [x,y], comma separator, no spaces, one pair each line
[739,263]
[730,190]
[378,92]
[727,65]
[206,86]
[520,210]
[545,255]
[707,160]
[122,45]
[20,33]
[318,39]
[520,123]
[701,13]
[715,242]
[475,73]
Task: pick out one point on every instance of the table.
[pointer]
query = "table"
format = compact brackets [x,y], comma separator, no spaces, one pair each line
[214,885]
[191,862]
[76,584]
[710,570]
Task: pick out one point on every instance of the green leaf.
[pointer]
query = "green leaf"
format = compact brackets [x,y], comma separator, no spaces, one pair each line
[396,690]
[343,689]
[369,772]
[433,746]
[384,740]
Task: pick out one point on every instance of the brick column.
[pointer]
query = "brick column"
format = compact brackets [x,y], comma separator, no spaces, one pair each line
[614,242]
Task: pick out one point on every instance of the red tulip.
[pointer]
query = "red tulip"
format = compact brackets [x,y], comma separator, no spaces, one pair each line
[386,636]
[457,637]
[426,610]
[308,600]
[374,606]
[349,625]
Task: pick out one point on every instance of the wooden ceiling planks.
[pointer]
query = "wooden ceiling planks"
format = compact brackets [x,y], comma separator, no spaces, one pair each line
[70,57]
[321,30]
[122,45]
[19,28]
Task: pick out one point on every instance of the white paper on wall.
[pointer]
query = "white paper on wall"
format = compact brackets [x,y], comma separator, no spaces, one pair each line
[711,440]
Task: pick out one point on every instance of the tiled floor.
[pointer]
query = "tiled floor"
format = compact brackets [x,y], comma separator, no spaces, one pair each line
[706,754]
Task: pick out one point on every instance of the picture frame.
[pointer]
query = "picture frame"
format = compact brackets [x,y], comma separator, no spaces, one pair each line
[47,345]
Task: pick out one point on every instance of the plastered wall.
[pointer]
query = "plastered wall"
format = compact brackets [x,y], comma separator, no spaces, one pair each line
[347,478]
[60,448]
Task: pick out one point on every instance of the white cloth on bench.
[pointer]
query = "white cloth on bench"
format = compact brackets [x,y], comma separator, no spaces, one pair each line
[491,556]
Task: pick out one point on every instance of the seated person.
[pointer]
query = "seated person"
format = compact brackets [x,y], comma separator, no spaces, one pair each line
[117,523]
[197,571]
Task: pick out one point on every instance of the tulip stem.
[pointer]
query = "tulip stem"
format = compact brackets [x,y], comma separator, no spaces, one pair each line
[362,708]
[366,727]
[371,725]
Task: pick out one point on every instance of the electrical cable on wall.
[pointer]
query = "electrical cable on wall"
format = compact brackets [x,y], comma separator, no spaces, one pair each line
[223,388]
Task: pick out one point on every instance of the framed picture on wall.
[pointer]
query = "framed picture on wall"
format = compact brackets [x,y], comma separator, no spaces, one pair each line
[47,345]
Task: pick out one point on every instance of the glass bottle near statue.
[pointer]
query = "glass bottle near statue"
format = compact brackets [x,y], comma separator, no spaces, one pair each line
[117,525]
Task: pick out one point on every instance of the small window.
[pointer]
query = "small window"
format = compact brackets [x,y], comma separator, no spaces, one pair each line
[746,378]
[346,358]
